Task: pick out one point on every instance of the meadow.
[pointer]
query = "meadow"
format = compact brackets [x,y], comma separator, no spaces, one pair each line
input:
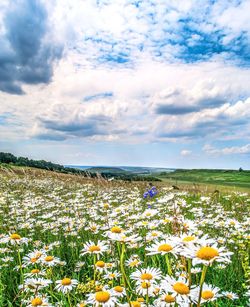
[233,178]
[71,241]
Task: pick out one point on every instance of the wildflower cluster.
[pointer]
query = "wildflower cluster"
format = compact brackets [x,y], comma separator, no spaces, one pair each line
[65,243]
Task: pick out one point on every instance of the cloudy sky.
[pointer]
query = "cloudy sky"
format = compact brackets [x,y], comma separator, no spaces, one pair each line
[126,82]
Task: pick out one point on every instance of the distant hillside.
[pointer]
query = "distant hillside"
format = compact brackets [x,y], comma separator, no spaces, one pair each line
[105,172]
[8,158]
[103,169]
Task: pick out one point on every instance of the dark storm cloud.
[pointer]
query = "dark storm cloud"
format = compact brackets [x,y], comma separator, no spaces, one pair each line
[24,56]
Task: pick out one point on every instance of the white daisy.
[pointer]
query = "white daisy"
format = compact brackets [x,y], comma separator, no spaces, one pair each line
[209,293]
[148,274]
[163,247]
[103,298]
[178,288]
[66,285]
[92,248]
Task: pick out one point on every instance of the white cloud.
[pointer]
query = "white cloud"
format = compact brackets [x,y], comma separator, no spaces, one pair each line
[156,97]
[186,152]
[227,150]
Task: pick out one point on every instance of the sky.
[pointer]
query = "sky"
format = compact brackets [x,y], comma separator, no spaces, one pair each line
[126,82]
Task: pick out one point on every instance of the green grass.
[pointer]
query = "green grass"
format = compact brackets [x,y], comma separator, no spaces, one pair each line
[56,211]
[216,177]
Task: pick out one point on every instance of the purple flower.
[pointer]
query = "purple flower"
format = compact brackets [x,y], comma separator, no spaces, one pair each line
[151,192]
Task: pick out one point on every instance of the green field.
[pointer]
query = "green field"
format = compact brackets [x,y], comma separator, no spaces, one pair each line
[67,240]
[231,178]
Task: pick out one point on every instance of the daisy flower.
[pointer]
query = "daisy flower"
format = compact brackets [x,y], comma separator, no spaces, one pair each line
[13,239]
[178,288]
[133,261]
[118,291]
[100,266]
[92,248]
[145,288]
[208,254]
[133,304]
[148,274]
[153,235]
[149,213]
[39,301]
[163,247]
[66,285]
[232,296]
[112,275]
[115,233]
[102,298]
[35,284]
[33,257]
[165,300]
[50,261]
[209,293]
[187,239]
[35,273]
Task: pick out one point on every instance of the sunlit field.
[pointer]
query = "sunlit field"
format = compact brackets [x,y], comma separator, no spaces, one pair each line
[70,241]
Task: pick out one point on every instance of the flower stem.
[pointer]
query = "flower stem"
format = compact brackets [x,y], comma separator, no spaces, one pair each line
[94,267]
[203,275]
[168,265]
[189,266]
[69,300]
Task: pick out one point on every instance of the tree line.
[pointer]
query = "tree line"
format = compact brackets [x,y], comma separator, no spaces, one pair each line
[9,158]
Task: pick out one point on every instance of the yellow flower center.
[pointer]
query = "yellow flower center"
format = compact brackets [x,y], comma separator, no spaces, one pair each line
[100,264]
[33,260]
[207,294]
[145,285]
[116,229]
[146,276]
[229,295]
[165,248]
[140,299]
[118,289]
[154,234]
[36,302]
[15,236]
[181,288]
[49,258]
[94,248]
[112,275]
[66,282]
[133,263]
[169,298]
[35,271]
[188,239]
[102,296]
[135,304]
[207,253]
